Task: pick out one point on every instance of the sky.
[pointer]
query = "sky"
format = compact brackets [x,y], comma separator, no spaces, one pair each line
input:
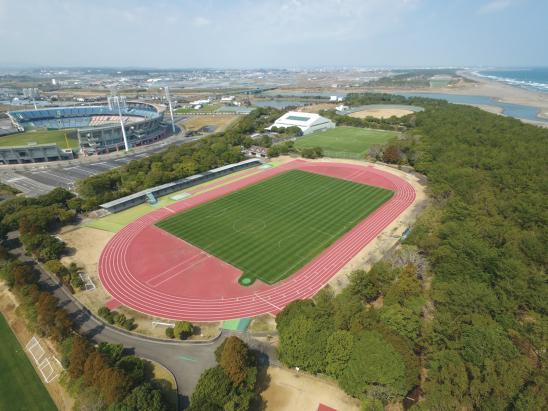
[273,33]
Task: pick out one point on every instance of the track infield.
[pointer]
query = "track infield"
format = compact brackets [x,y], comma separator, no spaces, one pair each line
[155,272]
[20,386]
[271,229]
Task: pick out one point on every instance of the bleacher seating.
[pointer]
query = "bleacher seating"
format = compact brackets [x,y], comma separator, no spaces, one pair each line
[82,116]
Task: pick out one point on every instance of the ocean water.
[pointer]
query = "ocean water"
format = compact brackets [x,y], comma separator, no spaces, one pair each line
[534,78]
[508,109]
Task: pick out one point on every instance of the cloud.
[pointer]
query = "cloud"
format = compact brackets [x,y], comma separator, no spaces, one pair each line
[495,6]
[200,21]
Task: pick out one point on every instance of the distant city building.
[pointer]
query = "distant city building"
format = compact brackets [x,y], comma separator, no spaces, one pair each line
[335,99]
[53,82]
[227,99]
[30,92]
[308,122]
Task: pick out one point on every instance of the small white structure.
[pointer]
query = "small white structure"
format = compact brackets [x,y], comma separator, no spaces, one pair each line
[227,99]
[200,102]
[335,99]
[342,108]
[308,122]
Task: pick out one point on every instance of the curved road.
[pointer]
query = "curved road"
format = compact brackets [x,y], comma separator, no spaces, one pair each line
[185,360]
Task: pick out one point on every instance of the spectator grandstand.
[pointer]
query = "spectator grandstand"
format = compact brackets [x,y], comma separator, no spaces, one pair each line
[164,189]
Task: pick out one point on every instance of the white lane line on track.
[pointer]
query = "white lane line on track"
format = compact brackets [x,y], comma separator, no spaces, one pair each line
[268,302]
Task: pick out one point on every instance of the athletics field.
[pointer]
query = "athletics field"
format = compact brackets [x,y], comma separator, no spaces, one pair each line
[271,229]
[151,270]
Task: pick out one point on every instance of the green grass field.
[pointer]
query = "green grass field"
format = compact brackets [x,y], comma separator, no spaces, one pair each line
[20,387]
[346,139]
[39,137]
[271,229]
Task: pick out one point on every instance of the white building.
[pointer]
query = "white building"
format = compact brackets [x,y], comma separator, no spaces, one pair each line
[308,122]
[200,102]
[342,108]
[335,99]
[227,99]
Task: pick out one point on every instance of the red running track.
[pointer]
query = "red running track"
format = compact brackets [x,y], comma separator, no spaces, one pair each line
[152,271]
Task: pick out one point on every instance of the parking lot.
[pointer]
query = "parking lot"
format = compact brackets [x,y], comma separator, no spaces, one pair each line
[38,179]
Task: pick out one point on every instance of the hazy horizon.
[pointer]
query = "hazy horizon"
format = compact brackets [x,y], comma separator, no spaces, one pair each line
[273,34]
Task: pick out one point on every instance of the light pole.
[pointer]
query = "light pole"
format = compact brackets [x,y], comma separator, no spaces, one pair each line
[116,100]
[170,109]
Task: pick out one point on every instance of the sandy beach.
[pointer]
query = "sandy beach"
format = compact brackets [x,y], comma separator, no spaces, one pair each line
[482,86]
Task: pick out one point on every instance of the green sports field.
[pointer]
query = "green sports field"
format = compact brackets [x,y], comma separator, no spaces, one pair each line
[272,228]
[20,386]
[353,140]
[39,137]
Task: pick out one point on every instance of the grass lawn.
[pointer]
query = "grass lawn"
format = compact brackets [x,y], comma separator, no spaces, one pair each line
[20,386]
[271,229]
[346,139]
[39,137]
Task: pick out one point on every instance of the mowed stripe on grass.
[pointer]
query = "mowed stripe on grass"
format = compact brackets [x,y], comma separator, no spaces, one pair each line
[20,386]
[271,229]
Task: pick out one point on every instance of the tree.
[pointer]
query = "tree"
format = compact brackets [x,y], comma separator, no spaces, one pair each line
[137,369]
[170,333]
[391,154]
[235,359]
[112,351]
[93,367]
[143,398]
[114,384]
[447,382]
[212,390]
[183,329]
[375,370]
[338,352]
[78,356]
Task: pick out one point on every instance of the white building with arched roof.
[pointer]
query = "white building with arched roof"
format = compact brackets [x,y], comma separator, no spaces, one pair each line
[308,122]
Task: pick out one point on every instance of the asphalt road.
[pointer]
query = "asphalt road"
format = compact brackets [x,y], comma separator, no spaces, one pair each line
[185,360]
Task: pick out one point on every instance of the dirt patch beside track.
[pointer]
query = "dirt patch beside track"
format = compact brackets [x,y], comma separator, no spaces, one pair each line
[290,390]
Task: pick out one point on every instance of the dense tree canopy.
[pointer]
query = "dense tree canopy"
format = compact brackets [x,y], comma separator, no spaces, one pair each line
[484,238]
[230,386]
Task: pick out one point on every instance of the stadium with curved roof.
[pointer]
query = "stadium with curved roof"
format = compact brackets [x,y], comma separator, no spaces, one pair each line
[97,130]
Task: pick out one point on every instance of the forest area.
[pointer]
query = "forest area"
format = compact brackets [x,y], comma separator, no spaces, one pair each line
[475,338]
